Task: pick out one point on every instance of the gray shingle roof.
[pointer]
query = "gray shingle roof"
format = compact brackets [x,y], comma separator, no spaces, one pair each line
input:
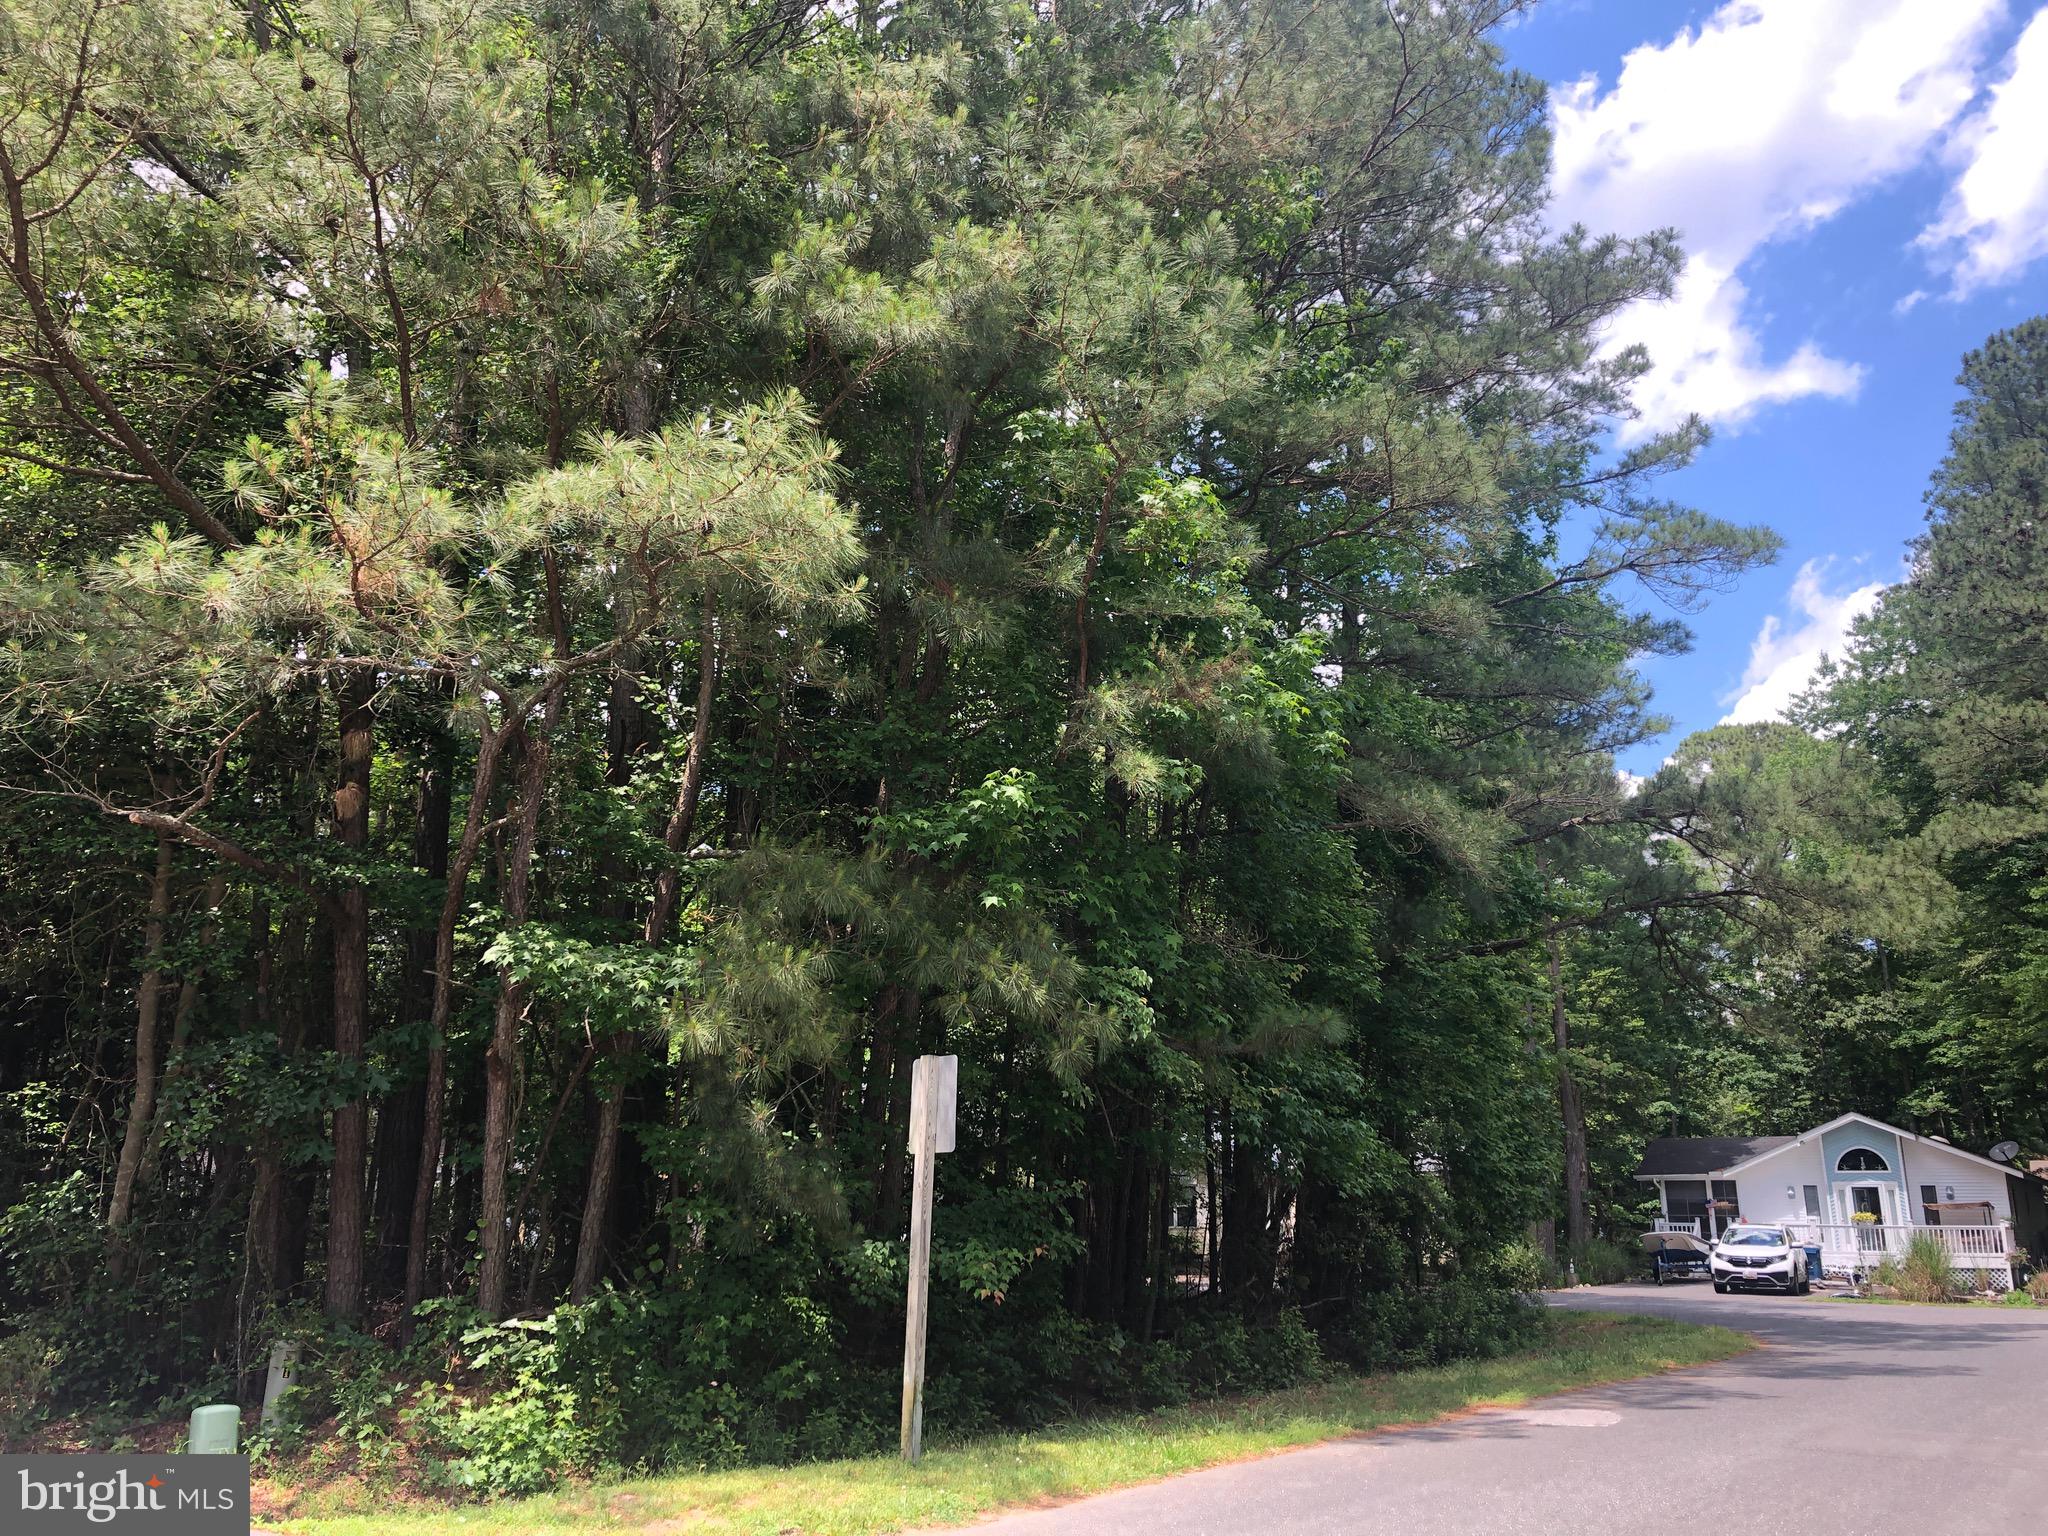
[1680,1157]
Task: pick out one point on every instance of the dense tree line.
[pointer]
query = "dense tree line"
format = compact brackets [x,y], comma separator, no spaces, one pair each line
[585,581]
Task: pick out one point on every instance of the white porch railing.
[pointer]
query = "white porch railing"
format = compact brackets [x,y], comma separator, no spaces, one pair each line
[1845,1245]
[1676,1224]
[1995,1241]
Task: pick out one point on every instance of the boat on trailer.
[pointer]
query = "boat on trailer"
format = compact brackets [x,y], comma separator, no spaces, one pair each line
[1676,1255]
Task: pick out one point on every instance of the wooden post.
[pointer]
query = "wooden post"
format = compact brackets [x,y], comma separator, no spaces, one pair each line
[934,1082]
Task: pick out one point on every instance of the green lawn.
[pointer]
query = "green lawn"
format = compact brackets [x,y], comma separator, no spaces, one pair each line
[957,1483]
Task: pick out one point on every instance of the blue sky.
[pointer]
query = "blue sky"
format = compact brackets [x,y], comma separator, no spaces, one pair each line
[1862,188]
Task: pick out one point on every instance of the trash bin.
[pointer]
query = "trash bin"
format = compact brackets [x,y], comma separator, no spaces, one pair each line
[1813,1263]
[216,1430]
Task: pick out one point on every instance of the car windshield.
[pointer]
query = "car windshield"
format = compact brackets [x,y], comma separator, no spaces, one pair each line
[1754,1237]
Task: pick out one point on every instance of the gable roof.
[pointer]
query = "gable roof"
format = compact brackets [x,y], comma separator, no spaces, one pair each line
[1924,1141]
[1683,1157]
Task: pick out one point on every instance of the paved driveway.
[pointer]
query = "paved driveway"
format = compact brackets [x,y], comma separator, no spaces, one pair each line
[1854,1421]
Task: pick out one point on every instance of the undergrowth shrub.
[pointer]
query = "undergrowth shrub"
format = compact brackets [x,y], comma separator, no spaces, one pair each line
[1206,1355]
[1520,1266]
[30,1362]
[1003,1348]
[781,1346]
[726,1363]
[346,1383]
[73,1338]
[1924,1272]
[710,1373]
[1601,1261]
[1461,1318]
[1227,1354]
[516,1424]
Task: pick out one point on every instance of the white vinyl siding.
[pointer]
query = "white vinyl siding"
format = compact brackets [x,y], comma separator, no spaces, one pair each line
[1763,1183]
[1930,1163]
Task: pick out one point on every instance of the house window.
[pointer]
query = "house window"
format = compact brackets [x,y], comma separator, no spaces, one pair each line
[1861,1160]
[1812,1200]
[1685,1199]
[1930,1205]
[1724,1197]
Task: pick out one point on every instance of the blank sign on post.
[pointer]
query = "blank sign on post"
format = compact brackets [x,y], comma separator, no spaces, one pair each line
[935,1091]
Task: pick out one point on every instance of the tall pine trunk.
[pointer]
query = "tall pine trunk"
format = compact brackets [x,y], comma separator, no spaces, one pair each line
[597,1196]
[434,1099]
[305,990]
[148,999]
[261,1232]
[682,823]
[682,819]
[1576,1173]
[181,1025]
[401,1126]
[901,1032]
[502,1059]
[345,1215]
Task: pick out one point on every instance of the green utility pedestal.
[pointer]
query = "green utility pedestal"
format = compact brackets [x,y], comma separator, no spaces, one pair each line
[216,1430]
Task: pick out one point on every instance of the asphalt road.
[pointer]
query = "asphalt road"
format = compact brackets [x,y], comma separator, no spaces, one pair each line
[1853,1421]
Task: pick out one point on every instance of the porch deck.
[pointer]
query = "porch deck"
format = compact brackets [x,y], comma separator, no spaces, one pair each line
[1988,1251]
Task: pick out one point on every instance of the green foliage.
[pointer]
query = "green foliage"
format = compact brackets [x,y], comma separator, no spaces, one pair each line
[1231,1355]
[624,571]
[723,1364]
[1924,1272]
[1460,1318]
[701,1372]
[971,1478]
[516,1429]
[1206,1356]
[1520,1266]
[80,1337]
[33,1364]
[1602,1261]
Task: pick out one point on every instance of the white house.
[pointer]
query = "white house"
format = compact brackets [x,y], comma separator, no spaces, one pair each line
[1858,1187]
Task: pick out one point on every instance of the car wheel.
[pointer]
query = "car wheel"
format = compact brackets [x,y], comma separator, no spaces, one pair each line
[1805,1286]
[1720,1288]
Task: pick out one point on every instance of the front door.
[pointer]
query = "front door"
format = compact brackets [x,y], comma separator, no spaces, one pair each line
[1867,1201]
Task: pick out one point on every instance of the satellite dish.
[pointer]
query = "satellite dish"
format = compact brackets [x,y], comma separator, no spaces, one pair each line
[2004,1152]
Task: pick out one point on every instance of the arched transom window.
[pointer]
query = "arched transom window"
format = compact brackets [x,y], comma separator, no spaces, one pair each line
[1861,1160]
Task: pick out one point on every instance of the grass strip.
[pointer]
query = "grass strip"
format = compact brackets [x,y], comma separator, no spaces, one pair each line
[959,1483]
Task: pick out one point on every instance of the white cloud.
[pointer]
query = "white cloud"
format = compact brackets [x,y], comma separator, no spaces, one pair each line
[1786,653]
[1906,303]
[1769,118]
[1995,221]
[1710,363]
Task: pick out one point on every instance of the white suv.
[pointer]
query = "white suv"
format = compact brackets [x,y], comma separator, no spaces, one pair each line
[1759,1258]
